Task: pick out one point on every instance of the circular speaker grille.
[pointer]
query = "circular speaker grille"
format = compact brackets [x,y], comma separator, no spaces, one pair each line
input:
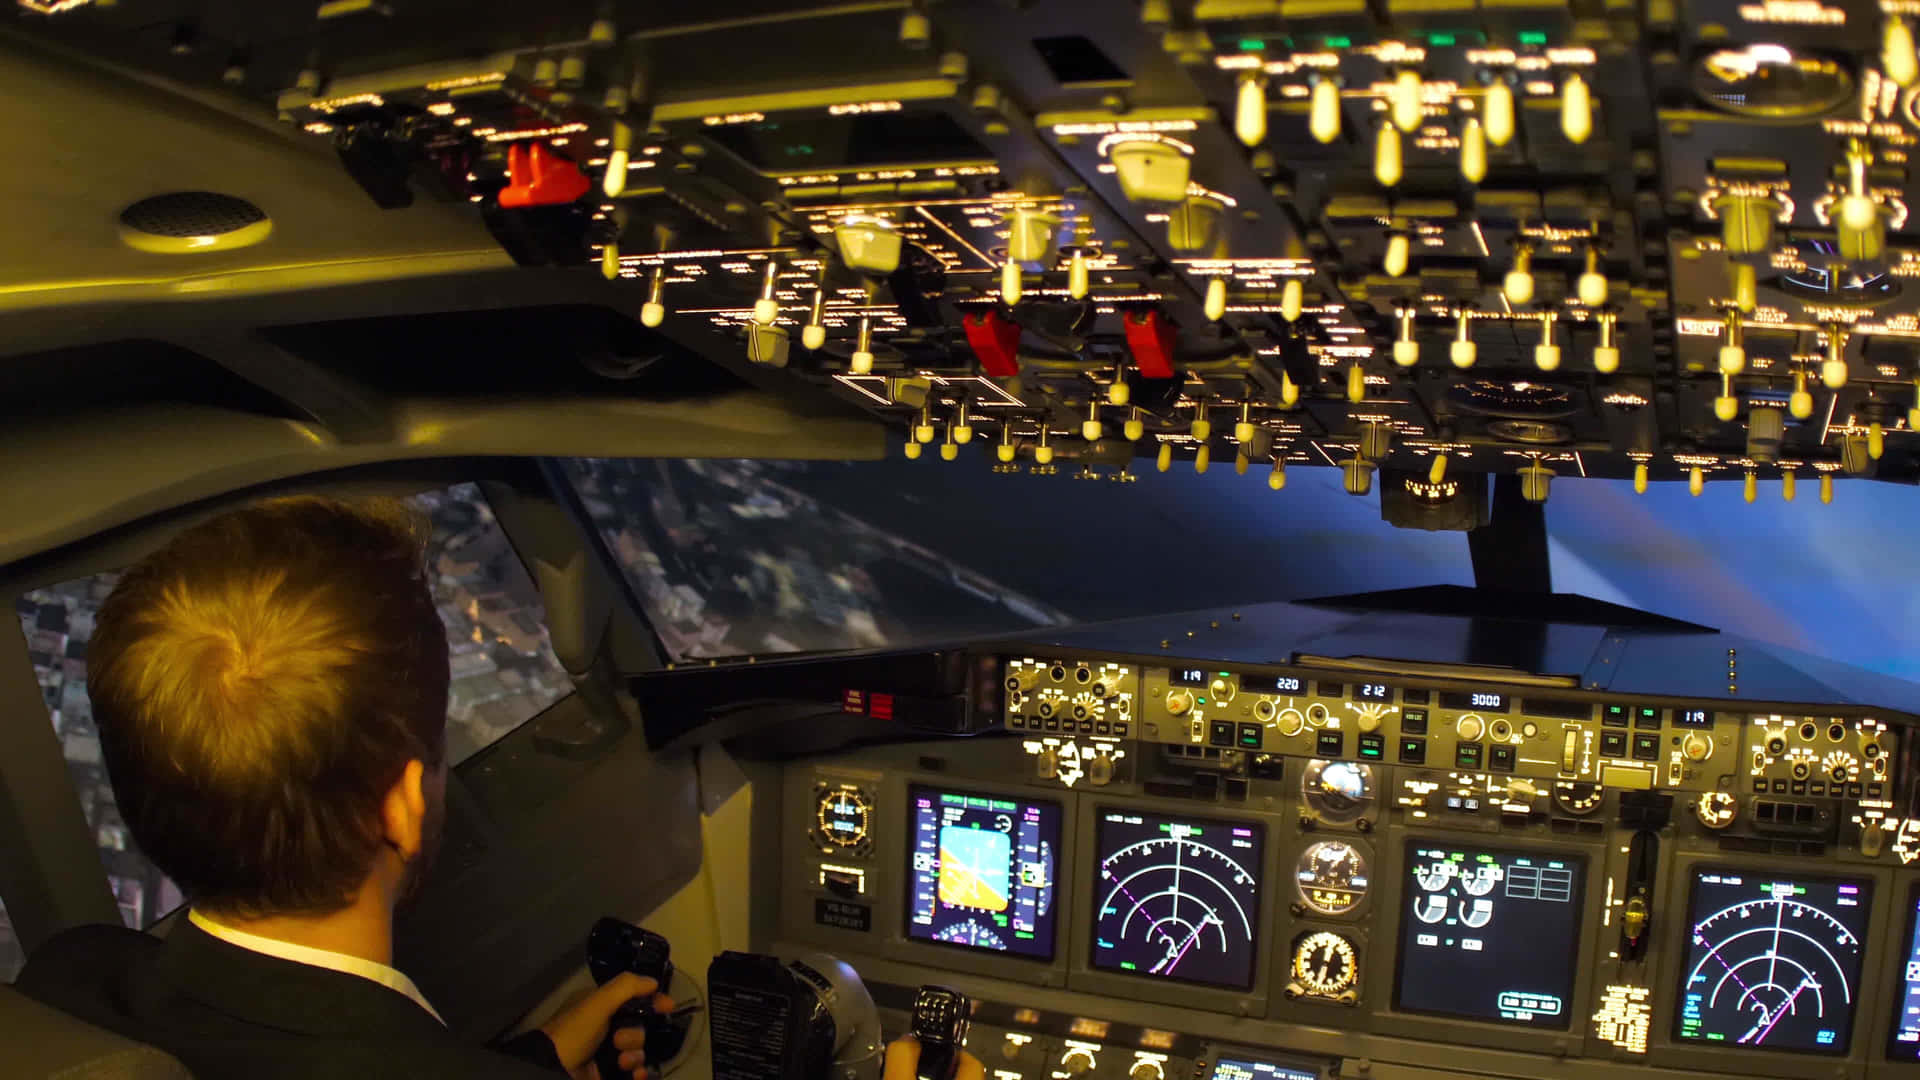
[186,221]
[191,213]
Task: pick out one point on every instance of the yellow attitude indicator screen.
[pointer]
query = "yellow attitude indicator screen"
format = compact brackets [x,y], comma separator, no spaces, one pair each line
[982,871]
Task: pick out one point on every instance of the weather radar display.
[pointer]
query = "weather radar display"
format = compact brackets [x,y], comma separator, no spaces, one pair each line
[1178,898]
[982,871]
[1773,960]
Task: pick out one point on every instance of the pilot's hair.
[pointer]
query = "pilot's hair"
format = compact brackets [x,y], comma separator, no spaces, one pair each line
[260,683]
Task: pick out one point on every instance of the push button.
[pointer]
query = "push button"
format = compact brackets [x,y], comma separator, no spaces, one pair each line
[1466,755]
[1221,733]
[1413,751]
[1251,736]
[1613,744]
[1413,722]
[1373,746]
[1500,757]
[1646,746]
[1330,744]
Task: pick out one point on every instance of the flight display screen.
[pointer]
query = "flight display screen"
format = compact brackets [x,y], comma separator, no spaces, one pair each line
[1490,935]
[1177,897]
[1238,1068]
[1773,960]
[982,871]
[1903,1042]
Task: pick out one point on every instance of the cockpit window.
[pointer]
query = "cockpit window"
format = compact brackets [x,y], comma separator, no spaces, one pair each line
[1823,579]
[504,673]
[736,557]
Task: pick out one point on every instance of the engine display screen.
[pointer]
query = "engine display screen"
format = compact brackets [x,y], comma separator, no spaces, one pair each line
[1773,960]
[1238,1068]
[982,872]
[1903,1042]
[1491,935]
[1177,897]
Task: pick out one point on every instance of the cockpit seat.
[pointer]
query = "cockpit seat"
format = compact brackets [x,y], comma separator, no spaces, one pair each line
[46,1044]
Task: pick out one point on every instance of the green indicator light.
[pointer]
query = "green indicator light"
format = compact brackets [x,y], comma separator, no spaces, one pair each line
[1252,44]
[1127,965]
[1339,43]
[1533,37]
[1023,934]
[1201,700]
[1441,40]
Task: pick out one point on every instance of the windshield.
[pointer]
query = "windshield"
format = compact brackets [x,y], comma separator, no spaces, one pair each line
[737,557]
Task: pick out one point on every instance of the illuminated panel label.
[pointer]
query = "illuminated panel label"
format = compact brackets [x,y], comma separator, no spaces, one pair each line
[1624,1017]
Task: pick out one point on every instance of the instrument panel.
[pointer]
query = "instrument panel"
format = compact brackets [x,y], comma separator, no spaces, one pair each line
[1333,866]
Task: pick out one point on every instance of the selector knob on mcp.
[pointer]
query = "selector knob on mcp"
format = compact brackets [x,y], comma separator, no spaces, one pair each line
[1470,727]
[1179,701]
[1146,1070]
[1077,1061]
[1696,746]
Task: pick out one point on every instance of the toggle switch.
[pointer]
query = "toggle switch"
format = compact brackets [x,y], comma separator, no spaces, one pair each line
[1592,287]
[1216,299]
[1404,106]
[1639,478]
[1546,355]
[1277,479]
[1733,355]
[1473,149]
[766,309]
[1399,248]
[1323,109]
[1826,487]
[1250,110]
[1787,485]
[1078,280]
[1897,58]
[1576,109]
[1406,351]
[1517,287]
[1388,164]
[1292,298]
[653,312]
[1606,354]
[1833,370]
[1463,351]
[1498,110]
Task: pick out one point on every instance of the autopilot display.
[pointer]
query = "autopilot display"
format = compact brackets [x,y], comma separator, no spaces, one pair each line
[1236,1067]
[1773,960]
[1490,935]
[1903,1040]
[1177,897]
[983,871]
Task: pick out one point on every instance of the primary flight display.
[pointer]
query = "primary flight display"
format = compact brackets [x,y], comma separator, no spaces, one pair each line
[1177,897]
[982,871]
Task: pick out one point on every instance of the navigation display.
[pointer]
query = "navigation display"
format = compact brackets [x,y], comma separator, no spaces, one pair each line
[1177,897]
[1488,934]
[982,871]
[1903,1042]
[1773,960]
[1236,1068]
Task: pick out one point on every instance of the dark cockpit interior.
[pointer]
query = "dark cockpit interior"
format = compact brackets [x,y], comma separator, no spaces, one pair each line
[1139,540]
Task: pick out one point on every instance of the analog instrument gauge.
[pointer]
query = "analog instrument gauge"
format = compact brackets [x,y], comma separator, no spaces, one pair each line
[1715,809]
[1337,792]
[1906,842]
[843,819]
[1332,875]
[1324,965]
[1577,797]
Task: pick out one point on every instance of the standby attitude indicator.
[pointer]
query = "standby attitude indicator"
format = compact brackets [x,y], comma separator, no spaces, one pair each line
[1179,898]
[1773,960]
[982,871]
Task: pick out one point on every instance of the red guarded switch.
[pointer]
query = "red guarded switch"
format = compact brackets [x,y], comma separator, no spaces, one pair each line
[995,340]
[1150,336]
[536,176]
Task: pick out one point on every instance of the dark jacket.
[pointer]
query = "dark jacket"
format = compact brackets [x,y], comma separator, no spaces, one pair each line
[229,1013]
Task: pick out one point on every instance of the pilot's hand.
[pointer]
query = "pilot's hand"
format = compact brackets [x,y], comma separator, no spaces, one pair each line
[576,1030]
[903,1057]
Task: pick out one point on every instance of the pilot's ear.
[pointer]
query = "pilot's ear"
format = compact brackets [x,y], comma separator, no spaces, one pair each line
[403,810]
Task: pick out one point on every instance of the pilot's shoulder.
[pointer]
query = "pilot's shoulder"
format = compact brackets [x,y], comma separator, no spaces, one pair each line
[83,951]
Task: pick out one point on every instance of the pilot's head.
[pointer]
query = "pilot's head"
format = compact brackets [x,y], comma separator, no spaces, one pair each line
[271,693]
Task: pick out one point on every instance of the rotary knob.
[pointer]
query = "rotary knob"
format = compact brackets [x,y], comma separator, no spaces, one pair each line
[1696,746]
[1179,701]
[1222,689]
[1368,722]
[1470,727]
[1146,1070]
[1077,1061]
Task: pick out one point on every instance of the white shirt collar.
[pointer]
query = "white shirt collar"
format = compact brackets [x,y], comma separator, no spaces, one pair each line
[391,978]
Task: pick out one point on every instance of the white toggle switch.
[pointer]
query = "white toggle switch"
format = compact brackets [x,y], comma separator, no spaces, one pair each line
[1243,432]
[1606,355]
[1406,351]
[766,308]
[861,362]
[813,334]
[1004,451]
[1277,479]
[1733,355]
[1202,458]
[1043,454]
[615,181]
[1092,429]
[1726,406]
[1077,281]
[1403,100]
[912,450]
[1639,478]
[1387,163]
[949,451]
[1399,247]
[1292,296]
[1592,286]
[1897,57]
[610,260]
[1833,370]
[1462,351]
[962,432]
[1499,112]
[653,312]
[1517,287]
[1250,111]
[1202,428]
[1134,427]
[1164,461]
[1576,109]
[1546,355]
[1323,111]
[1800,402]
[1216,302]
[1473,149]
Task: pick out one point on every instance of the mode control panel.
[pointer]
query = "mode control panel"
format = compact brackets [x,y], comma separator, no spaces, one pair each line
[1216,716]
[1077,714]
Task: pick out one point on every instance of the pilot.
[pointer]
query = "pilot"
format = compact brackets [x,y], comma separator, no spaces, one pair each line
[271,694]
